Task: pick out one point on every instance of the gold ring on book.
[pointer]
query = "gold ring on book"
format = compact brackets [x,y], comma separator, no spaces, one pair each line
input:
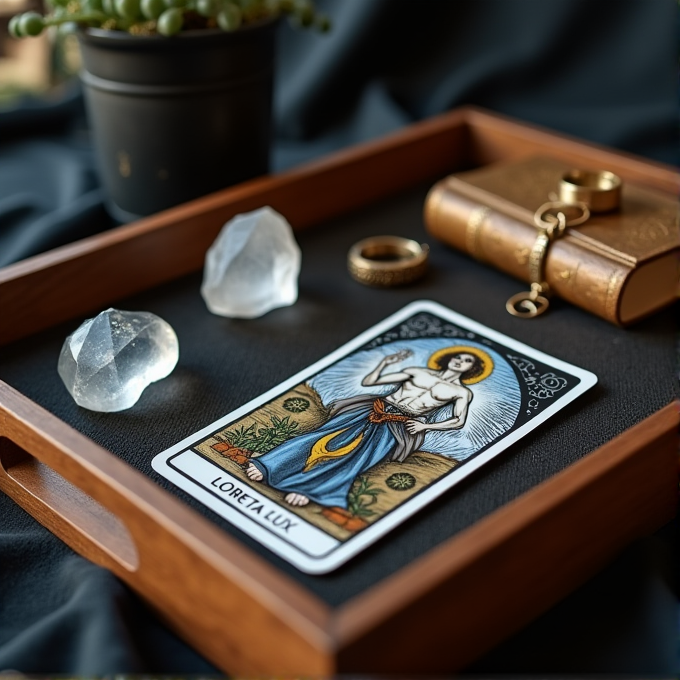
[387,261]
[600,191]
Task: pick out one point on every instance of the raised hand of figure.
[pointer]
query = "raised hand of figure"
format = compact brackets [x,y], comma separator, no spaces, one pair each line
[415,426]
[398,356]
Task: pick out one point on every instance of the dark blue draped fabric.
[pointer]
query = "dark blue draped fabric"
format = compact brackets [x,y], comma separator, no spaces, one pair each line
[603,70]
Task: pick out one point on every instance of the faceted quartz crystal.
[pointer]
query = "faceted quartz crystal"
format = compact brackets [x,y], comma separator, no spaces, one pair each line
[109,360]
[252,267]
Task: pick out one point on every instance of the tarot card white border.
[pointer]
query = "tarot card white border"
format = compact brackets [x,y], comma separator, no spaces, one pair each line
[324,553]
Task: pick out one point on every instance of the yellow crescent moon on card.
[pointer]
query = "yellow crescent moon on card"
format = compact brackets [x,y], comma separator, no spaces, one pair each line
[320,451]
[464,349]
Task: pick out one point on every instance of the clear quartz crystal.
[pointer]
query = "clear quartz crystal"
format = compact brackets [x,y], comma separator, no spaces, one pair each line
[252,267]
[108,361]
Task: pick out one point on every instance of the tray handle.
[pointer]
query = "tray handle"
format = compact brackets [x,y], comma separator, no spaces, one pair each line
[72,495]
[76,517]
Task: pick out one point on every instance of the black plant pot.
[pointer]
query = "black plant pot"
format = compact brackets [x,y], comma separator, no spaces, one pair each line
[176,118]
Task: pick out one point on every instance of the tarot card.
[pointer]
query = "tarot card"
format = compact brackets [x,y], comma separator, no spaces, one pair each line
[327,462]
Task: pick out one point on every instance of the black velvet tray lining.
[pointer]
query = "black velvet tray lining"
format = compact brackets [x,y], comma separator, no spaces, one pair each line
[225,363]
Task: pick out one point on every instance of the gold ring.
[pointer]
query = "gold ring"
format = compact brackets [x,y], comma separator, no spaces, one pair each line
[387,261]
[600,191]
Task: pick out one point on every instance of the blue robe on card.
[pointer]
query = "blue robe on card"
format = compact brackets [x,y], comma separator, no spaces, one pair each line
[328,479]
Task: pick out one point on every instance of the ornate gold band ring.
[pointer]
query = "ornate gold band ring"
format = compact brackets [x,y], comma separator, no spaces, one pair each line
[387,261]
[600,191]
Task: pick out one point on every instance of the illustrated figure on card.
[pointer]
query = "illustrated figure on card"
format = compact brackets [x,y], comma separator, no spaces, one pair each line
[368,429]
[326,462]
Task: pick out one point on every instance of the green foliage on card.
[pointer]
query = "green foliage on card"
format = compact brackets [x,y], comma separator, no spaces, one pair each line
[240,438]
[262,439]
[363,494]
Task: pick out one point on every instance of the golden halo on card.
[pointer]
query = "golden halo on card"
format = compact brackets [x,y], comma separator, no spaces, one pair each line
[464,349]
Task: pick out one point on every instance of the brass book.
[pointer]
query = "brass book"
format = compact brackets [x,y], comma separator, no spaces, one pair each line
[622,265]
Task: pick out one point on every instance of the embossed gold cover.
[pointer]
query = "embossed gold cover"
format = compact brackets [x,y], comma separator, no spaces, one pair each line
[621,265]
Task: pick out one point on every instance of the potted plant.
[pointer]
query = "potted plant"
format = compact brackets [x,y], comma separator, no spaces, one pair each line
[178,92]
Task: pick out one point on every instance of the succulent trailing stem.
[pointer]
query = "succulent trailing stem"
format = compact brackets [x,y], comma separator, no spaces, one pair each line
[165,17]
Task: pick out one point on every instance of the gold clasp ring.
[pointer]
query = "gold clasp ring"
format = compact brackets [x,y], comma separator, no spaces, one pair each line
[552,220]
[529,304]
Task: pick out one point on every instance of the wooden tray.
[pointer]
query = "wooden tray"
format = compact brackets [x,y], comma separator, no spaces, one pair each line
[235,607]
